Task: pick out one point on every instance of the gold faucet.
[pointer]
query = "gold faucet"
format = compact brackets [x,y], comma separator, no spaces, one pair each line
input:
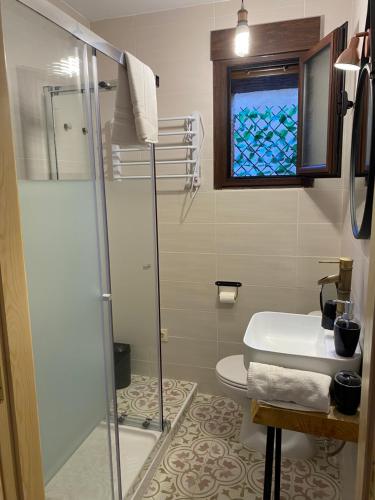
[343,279]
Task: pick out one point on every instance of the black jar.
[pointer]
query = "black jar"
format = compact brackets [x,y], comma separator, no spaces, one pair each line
[347,391]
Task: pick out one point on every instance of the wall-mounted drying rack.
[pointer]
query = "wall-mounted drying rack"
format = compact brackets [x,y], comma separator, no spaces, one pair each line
[188,130]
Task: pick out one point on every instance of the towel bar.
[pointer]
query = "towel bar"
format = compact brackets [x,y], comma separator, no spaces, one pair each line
[193,133]
[173,176]
[158,162]
[158,148]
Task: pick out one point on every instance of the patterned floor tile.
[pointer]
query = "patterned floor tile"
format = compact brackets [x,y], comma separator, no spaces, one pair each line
[141,397]
[206,461]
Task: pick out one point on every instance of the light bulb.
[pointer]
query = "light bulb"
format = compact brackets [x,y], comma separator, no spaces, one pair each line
[347,67]
[242,40]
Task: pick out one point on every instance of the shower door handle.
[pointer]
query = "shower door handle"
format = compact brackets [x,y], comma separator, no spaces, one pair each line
[107,297]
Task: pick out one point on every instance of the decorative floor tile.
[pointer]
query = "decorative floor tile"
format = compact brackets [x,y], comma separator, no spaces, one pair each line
[206,461]
[141,397]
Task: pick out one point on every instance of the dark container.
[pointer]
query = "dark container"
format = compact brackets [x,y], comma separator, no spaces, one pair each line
[122,365]
[347,391]
[329,314]
[346,335]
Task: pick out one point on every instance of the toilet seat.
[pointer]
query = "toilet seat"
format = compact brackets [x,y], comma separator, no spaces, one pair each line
[231,371]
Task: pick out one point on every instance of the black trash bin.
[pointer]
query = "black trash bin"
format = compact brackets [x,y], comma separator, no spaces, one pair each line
[122,365]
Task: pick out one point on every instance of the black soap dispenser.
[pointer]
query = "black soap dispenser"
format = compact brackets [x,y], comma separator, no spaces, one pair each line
[346,331]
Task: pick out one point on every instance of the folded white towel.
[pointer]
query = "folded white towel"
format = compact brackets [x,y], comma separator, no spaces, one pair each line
[286,387]
[136,117]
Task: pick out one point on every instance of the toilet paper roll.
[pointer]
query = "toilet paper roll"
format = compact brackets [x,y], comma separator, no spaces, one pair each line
[227,297]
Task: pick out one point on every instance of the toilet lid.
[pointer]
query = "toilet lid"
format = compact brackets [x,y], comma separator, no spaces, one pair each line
[232,370]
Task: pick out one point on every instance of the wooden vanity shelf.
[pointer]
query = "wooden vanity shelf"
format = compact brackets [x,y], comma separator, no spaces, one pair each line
[333,425]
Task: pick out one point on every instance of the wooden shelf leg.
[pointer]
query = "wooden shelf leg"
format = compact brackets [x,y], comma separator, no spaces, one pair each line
[267,488]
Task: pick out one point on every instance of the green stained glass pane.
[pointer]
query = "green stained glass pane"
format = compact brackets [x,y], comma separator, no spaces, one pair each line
[264,133]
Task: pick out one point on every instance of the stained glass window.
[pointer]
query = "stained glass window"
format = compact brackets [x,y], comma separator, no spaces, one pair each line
[264,127]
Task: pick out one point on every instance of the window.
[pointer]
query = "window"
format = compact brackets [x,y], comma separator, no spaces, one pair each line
[277,113]
[264,122]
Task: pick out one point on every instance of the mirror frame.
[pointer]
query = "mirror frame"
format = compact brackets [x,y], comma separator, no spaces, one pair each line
[362,231]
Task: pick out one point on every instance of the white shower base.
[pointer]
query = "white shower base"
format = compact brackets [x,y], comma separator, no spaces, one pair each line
[86,475]
[137,445]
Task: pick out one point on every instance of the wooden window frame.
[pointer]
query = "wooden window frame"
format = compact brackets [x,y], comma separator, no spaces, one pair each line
[272,43]
[222,129]
[336,40]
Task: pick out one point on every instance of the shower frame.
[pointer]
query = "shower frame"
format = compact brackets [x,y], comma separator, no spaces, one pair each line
[34,484]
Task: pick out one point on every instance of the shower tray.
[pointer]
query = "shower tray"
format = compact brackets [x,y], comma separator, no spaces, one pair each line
[90,460]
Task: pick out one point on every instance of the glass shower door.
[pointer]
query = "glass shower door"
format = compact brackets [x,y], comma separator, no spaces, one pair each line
[132,231]
[64,234]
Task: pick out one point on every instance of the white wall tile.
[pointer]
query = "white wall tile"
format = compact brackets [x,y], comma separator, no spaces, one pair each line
[257,239]
[230,349]
[309,270]
[257,269]
[320,205]
[180,207]
[192,296]
[319,239]
[197,325]
[187,237]
[204,377]
[256,206]
[183,351]
[190,267]
[307,300]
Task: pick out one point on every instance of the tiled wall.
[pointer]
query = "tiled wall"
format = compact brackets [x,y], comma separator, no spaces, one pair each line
[357,249]
[270,240]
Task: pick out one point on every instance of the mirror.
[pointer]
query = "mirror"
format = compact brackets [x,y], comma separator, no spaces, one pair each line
[362,157]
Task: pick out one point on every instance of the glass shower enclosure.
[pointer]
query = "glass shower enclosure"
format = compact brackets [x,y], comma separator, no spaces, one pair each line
[90,250]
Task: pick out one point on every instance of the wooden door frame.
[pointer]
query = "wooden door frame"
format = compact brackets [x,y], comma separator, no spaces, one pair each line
[366,440]
[20,422]
[8,469]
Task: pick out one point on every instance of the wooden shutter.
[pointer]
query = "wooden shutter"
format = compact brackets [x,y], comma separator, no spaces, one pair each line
[320,112]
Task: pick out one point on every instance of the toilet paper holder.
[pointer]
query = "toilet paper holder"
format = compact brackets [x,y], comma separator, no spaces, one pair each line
[232,284]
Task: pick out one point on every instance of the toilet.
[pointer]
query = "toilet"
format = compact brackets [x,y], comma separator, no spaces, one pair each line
[232,377]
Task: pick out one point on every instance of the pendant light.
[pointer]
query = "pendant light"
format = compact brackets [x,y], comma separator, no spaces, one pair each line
[242,35]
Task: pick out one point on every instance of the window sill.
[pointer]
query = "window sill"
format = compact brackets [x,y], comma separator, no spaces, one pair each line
[265,182]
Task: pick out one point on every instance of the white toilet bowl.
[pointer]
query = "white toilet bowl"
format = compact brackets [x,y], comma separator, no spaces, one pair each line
[232,377]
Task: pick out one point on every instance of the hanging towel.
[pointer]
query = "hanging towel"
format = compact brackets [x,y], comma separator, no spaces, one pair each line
[295,389]
[136,117]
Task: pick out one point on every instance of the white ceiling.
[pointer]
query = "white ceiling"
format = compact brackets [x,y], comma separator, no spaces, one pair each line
[94,10]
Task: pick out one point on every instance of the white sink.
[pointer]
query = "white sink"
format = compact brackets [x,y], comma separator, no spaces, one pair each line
[294,341]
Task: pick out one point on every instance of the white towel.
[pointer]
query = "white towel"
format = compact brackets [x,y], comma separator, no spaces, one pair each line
[136,117]
[297,389]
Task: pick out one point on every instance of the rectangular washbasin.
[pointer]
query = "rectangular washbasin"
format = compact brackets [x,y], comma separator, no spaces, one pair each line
[294,341]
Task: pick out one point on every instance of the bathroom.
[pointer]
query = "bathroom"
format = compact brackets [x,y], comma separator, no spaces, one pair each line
[111,253]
